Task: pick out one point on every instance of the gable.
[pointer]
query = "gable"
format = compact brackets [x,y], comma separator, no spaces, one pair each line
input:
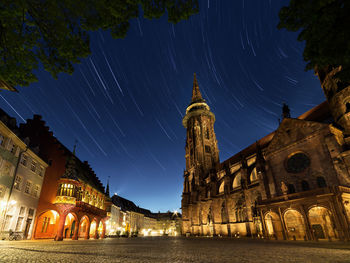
[291,131]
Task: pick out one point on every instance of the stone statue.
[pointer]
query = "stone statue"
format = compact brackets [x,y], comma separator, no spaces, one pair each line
[284,188]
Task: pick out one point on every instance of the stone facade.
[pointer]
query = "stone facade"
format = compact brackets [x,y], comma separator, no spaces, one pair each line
[293,183]
[21,176]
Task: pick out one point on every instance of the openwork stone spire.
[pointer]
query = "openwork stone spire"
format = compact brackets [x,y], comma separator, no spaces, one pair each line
[196,94]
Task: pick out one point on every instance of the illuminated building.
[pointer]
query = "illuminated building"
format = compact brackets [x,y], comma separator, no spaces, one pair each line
[21,177]
[168,223]
[292,184]
[73,203]
[133,219]
[115,222]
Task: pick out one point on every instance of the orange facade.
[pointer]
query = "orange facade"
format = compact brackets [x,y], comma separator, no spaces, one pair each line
[72,203]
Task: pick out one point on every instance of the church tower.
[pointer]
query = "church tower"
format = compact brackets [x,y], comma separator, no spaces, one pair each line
[202,152]
[338,96]
[202,155]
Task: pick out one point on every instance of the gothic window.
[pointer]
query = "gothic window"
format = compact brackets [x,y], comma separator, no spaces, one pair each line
[224,218]
[235,215]
[66,190]
[207,149]
[207,134]
[347,105]
[305,185]
[222,187]
[297,163]
[321,182]
[291,189]
[237,181]
[2,139]
[253,176]
[45,224]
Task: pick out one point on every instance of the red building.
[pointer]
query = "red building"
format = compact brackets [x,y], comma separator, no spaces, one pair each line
[73,203]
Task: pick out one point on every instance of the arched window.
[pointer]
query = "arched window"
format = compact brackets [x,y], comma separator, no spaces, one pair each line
[237,181]
[321,182]
[222,187]
[291,189]
[207,134]
[305,185]
[253,176]
[347,107]
[223,213]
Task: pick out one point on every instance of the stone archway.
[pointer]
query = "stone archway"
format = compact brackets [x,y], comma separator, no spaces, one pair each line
[273,226]
[93,228]
[100,229]
[70,225]
[322,223]
[47,224]
[295,225]
[84,227]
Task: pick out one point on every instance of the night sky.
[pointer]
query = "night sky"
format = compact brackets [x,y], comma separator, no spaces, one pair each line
[125,103]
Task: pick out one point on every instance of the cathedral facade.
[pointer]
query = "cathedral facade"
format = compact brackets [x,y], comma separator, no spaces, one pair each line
[294,183]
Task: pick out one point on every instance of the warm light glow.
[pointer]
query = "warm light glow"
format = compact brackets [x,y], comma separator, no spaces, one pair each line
[2,204]
[12,202]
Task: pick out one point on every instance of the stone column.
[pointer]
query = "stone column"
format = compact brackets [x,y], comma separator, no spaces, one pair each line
[284,232]
[62,220]
[103,235]
[63,210]
[309,232]
[87,234]
[96,230]
[76,231]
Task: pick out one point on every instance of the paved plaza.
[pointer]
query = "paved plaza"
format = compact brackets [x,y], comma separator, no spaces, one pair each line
[159,249]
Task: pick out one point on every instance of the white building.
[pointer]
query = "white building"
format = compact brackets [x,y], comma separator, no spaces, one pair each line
[21,177]
[114,223]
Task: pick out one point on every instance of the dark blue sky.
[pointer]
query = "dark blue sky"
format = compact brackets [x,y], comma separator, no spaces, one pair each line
[126,101]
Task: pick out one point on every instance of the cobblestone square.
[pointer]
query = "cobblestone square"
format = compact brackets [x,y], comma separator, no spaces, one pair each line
[158,249]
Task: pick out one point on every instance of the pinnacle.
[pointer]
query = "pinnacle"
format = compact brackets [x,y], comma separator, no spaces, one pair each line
[196,94]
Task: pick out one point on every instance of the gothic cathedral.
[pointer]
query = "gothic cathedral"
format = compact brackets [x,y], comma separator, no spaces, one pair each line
[294,183]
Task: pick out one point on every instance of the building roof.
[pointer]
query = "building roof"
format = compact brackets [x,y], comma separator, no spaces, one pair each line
[124,204]
[320,113]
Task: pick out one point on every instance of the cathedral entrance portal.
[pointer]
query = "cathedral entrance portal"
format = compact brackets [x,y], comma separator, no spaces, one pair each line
[322,223]
[273,226]
[295,225]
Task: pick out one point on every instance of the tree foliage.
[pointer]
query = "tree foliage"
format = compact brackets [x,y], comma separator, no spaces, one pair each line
[324,25]
[55,32]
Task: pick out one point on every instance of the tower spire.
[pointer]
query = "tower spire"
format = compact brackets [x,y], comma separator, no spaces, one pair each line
[196,94]
[107,187]
[75,147]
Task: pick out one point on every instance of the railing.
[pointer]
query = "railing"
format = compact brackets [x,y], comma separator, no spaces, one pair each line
[298,195]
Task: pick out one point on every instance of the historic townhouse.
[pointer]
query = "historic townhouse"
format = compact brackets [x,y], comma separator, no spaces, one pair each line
[21,177]
[73,203]
[292,184]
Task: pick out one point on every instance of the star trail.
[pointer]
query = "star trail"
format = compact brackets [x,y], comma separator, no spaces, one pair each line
[125,103]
